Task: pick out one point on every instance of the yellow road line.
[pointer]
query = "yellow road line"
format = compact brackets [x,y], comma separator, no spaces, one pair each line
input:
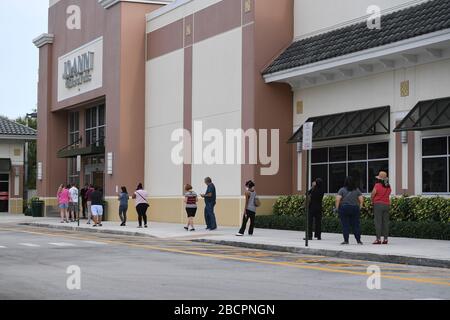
[223,257]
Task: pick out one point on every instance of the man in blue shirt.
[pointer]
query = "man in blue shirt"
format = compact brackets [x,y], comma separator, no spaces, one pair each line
[210,203]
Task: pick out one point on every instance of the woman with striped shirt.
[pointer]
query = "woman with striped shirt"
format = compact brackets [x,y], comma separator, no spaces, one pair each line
[190,199]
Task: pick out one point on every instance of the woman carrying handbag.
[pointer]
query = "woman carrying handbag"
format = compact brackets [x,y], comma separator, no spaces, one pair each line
[140,197]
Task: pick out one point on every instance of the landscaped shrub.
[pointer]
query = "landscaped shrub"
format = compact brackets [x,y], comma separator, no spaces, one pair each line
[402,208]
[406,229]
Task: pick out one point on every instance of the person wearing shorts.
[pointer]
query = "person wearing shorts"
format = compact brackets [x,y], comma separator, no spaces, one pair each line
[73,203]
[190,199]
[97,207]
[63,202]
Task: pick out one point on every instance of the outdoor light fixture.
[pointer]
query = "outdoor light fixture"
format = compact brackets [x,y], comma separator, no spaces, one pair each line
[404,137]
[110,163]
[39,171]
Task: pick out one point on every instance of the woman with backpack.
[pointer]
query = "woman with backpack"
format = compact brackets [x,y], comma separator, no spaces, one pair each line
[190,199]
[140,196]
[251,203]
[349,202]
[381,205]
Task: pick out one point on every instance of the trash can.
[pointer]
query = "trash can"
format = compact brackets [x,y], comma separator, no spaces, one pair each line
[37,208]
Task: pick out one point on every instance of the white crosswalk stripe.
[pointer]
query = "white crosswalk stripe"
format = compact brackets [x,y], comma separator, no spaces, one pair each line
[96,242]
[62,244]
[2,247]
[31,245]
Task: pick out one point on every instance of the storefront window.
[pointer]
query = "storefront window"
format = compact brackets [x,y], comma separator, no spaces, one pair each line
[74,177]
[435,165]
[95,126]
[74,129]
[362,162]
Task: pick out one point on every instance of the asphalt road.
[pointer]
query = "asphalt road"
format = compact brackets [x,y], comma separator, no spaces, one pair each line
[34,264]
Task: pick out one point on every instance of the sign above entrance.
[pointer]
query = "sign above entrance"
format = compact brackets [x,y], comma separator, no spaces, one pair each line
[81,70]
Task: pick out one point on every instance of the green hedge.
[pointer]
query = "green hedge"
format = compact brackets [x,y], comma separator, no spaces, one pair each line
[406,229]
[432,209]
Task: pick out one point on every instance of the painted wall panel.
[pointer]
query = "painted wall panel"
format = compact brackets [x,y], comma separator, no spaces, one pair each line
[174,12]
[162,176]
[164,93]
[226,177]
[217,75]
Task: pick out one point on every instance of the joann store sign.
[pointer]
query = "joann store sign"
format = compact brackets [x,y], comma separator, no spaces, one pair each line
[79,70]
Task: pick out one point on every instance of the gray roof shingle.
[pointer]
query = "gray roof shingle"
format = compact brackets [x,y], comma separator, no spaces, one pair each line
[11,128]
[411,22]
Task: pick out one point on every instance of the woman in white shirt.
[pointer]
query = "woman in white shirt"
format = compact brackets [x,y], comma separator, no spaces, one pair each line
[140,197]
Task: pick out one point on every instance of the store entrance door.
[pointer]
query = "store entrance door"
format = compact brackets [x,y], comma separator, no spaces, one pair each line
[4,192]
[97,179]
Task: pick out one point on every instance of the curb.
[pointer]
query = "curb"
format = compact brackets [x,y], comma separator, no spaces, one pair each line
[395,259]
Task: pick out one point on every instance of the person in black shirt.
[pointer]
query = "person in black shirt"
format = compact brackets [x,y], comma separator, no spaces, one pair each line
[316,194]
[97,207]
[84,199]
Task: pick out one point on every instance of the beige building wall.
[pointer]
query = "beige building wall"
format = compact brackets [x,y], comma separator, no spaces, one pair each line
[426,81]
[217,104]
[217,41]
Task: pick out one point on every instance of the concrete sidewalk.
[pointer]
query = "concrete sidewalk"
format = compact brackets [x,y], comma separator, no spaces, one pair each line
[433,253]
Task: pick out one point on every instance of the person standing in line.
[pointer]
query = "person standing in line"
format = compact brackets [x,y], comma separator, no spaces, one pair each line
[190,199]
[123,206]
[140,196]
[97,207]
[73,204]
[89,192]
[63,203]
[251,203]
[84,199]
[381,199]
[210,203]
[316,194]
[349,202]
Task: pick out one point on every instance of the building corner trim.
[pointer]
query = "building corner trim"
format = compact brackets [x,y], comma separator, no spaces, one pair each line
[43,39]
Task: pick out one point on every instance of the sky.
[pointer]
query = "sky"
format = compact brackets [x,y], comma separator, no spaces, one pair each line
[20,22]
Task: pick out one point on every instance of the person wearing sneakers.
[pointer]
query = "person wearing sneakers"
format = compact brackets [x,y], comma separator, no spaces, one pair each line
[123,206]
[97,207]
[381,199]
[190,199]
[251,203]
[349,202]
[140,196]
[63,202]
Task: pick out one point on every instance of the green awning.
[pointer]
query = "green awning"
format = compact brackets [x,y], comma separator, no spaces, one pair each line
[360,123]
[5,165]
[427,115]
